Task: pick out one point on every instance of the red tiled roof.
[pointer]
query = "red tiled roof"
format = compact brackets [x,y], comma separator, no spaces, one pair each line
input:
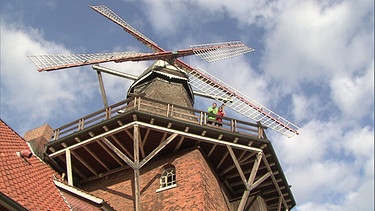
[28,181]
[81,200]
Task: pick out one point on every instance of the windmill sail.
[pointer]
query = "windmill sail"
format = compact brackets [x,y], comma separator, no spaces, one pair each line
[108,13]
[209,52]
[60,61]
[199,79]
[204,82]
[220,51]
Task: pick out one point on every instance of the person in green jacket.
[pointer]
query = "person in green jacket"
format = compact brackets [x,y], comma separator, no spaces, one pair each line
[212,111]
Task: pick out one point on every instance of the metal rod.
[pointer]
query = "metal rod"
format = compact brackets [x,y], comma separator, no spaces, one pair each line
[114,72]
[102,89]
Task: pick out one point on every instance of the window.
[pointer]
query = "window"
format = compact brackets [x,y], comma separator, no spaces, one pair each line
[168,179]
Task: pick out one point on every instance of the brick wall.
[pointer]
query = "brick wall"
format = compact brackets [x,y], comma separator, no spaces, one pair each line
[197,187]
[44,131]
[38,137]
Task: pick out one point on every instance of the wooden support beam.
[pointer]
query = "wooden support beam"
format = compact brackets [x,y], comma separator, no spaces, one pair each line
[93,155]
[243,201]
[243,160]
[75,170]
[244,152]
[102,89]
[69,167]
[157,150]
[279,204]
[197,137]
[212,150]
[225,155]
[112,153]
[165,134]
[145,137]
[215,145]
[104,140]
[136,169]
[255,168]
[80,159]
[129,134]
[92,139]
[118,153]
[275,182]
[238,166]
[260,180]
[141,148]
[181,140]
[250,181]
[119,144]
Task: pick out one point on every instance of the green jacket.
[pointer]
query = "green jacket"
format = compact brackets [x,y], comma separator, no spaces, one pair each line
[212,112]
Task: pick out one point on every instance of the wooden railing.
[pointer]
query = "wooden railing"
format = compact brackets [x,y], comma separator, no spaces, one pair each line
[162,109]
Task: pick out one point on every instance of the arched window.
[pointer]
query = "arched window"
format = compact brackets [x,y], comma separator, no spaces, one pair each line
[168,178]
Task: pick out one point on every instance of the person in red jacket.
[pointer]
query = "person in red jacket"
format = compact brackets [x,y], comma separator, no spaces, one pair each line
[220,113]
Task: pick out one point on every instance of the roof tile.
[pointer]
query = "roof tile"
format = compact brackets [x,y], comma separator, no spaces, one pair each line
[21,179]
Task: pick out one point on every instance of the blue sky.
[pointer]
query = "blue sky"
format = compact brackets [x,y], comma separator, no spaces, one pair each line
[313,64]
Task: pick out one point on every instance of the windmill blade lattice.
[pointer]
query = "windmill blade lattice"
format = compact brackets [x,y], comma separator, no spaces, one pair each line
[208,84]
[108,13]
[60,61]
[220,51]
[209,52]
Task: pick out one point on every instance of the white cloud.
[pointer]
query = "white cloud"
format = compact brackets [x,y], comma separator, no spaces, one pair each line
[24,89]
[330,46]
[354,96]
[330,165]
[330,179]
[304,107]
[360,144]
[169,17]
[309,147]
[360,199]
[310,42]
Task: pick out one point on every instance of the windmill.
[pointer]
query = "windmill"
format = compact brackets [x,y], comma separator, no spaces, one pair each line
[194,80]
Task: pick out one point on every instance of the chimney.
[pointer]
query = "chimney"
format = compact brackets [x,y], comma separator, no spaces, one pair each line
[38,137]
[25,153]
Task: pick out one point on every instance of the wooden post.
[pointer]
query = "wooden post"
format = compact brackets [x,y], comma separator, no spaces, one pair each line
[69,167]
[139,104]
[168,109]
[260,131]
[108,112]
[56,135]
[136,169]
[200,118]
[135,102]
[102,90]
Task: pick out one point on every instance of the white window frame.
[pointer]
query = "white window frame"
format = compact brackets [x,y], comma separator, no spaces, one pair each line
[167,179]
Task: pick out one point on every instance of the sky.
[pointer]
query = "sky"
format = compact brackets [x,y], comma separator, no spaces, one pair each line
[313,64]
